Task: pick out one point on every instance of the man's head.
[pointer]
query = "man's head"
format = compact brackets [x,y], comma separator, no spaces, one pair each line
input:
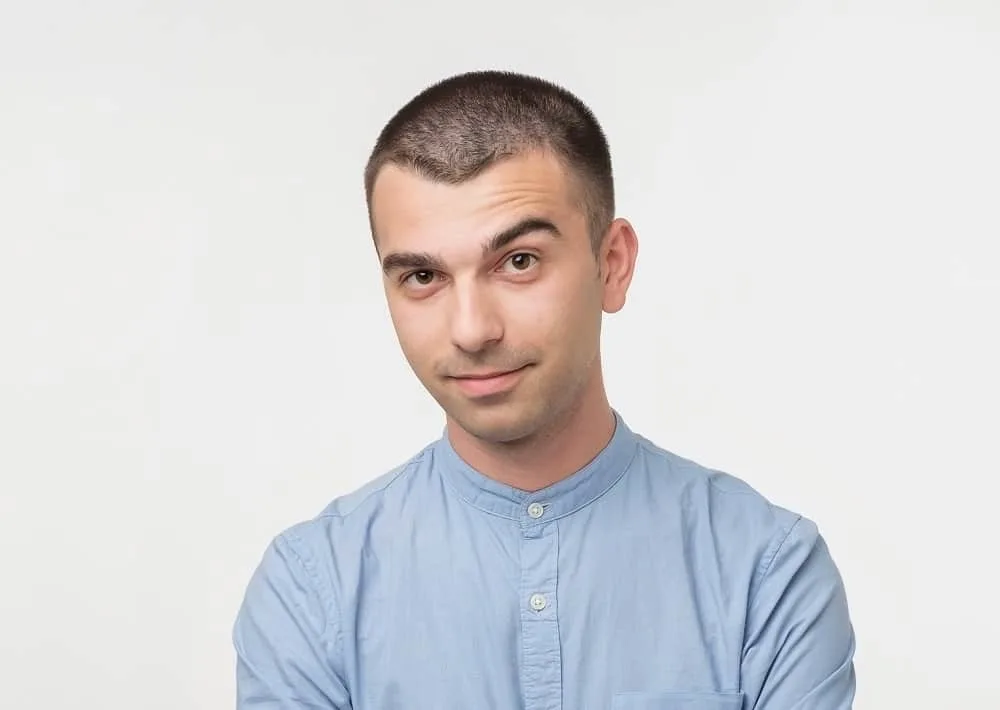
[491,203]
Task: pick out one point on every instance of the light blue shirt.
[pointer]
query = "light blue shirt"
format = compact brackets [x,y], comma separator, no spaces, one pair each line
[642,582]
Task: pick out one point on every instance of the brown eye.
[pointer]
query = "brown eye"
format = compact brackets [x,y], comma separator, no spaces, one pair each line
[422,278]
[521,262]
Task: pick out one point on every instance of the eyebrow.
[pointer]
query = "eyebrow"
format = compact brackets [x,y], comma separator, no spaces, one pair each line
[420,261]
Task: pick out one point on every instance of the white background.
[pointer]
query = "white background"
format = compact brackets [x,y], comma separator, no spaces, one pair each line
[196,352]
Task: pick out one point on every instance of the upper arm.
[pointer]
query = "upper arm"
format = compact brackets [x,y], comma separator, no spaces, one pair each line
[799,647]
[286,637]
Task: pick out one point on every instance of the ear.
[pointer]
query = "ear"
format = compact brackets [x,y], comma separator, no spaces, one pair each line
[616,259]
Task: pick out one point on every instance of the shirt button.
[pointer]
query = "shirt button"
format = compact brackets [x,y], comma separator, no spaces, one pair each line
[538,602]
[536,510]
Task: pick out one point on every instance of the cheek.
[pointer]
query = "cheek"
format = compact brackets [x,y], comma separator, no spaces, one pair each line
[415,332]
[555,315]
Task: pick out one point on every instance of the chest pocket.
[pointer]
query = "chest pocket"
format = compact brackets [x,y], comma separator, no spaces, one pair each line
[677,701]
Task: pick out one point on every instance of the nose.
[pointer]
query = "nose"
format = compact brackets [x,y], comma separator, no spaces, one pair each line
[476,322]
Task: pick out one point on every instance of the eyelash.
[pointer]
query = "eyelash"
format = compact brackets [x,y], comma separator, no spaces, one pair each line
[406,277]
[409,275]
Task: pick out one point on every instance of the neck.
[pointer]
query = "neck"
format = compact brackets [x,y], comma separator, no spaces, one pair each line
[547,456]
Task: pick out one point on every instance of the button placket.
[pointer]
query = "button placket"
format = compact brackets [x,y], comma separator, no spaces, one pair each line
[541,672]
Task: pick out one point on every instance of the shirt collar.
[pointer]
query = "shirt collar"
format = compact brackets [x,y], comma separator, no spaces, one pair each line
[561,498]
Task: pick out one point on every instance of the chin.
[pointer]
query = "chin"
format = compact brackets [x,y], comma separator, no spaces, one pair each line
[502,425]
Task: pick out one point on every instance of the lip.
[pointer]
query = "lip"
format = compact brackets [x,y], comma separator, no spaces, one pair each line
[491,383]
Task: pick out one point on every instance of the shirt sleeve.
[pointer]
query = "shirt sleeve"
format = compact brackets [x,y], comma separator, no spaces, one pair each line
[799,647]
[285,637]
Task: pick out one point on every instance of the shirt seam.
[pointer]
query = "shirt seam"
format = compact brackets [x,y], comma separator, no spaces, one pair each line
[331,603]
[607,489]
[461,494]
[768,560]
[762,571]
[400,472]
[611,484]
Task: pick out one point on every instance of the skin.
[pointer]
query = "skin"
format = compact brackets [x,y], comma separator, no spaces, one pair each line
[498,275]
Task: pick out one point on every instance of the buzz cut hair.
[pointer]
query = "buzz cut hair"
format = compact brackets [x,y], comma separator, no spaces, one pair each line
[459,127]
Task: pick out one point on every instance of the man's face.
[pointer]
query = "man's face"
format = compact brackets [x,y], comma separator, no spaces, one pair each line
[494,292]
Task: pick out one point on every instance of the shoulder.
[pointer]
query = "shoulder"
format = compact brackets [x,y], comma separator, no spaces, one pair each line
[697,484]
[723,509]
[349,522]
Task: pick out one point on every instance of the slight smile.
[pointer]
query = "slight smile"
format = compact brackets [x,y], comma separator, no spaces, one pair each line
[489,383]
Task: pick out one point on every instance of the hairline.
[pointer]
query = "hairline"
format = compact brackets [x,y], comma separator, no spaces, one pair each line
[584,192]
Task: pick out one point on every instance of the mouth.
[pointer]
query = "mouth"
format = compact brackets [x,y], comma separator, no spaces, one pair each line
[484,384]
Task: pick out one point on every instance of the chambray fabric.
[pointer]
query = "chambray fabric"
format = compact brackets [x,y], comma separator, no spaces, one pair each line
[644,581]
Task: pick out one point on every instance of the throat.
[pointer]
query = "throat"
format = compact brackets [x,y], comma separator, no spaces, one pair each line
[542,459]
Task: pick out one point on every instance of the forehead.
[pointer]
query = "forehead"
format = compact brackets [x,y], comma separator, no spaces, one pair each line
[410,212]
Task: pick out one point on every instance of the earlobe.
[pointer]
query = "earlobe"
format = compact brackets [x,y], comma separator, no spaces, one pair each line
[619,254]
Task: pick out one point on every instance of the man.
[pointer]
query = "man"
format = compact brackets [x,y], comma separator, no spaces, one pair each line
[540,555]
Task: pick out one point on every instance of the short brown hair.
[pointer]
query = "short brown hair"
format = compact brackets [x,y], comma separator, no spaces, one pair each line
[455,129]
